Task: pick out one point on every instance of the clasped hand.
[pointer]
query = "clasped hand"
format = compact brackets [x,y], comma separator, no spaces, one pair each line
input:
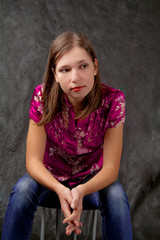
[71,206]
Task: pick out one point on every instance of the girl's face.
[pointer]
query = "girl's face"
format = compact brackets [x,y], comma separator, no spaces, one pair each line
[75,73]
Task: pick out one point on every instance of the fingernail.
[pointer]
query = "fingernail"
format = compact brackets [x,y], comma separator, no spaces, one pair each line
[73,205]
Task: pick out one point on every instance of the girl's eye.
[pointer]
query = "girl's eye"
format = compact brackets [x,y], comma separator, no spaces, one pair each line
[84,66]
[64,70]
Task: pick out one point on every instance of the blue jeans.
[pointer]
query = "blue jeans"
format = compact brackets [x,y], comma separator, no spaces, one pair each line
[27,195]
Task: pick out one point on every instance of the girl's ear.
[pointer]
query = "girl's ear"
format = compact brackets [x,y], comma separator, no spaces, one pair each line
[95,66]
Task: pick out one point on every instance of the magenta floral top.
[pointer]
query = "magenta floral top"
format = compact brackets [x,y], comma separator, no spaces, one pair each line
[75,150]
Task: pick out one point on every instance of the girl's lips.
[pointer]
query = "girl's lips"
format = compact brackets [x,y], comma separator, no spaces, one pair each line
[77,89]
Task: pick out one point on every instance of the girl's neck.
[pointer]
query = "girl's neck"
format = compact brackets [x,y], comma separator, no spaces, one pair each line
[76,105]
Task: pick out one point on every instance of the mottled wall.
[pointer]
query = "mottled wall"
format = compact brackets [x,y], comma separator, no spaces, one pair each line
[126,36]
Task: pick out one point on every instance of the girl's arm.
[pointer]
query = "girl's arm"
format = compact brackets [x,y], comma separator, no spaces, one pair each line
[112,151]
[36,143]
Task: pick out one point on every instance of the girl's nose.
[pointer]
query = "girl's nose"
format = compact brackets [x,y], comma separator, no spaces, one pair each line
[74,75]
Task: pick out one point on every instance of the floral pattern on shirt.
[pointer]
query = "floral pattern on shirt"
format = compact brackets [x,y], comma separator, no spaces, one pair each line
[75,150]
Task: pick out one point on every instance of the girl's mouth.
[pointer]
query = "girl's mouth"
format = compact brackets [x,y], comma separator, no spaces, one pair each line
[77,89]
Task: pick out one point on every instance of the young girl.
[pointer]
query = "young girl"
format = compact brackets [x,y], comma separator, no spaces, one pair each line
[74,146]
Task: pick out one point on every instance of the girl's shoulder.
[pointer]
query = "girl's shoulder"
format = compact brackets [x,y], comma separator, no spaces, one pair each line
[37,93]
[36,108]
[110,94]
[39,88]
[113,104]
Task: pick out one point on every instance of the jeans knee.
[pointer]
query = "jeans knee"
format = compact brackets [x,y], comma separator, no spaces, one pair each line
[116,191]
[24,191]
[115,198]
[115,212]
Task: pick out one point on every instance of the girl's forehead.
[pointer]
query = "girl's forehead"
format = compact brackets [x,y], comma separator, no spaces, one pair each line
[76,54]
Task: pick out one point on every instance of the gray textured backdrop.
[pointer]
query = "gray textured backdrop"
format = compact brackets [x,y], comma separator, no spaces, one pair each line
[126,36]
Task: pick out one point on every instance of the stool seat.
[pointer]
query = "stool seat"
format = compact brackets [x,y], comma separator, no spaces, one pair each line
[58,212]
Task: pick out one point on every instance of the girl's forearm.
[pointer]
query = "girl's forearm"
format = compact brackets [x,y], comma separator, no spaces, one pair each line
[38,171]
[101,180]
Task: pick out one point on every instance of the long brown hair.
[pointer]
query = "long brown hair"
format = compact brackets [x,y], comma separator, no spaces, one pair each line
[53,96]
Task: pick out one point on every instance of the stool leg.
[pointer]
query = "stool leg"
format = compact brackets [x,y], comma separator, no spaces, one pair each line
[95,212]
[43,223]
[74,236]
[58,218]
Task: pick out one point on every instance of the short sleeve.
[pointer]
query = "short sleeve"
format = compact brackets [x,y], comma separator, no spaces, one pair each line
[117,110]
[36,107]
